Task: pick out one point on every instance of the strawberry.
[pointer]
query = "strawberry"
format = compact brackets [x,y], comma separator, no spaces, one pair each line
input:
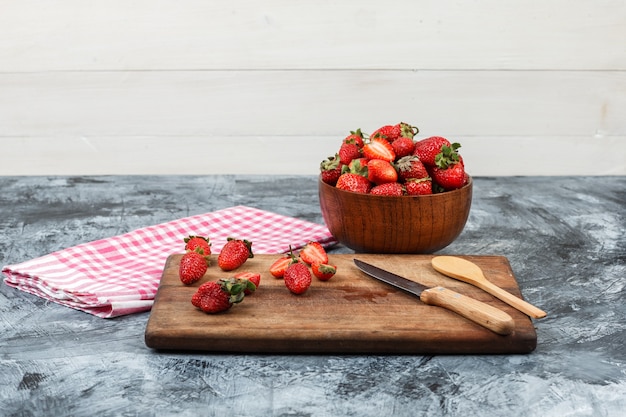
[355,137]
[323,272]
[278,268]
[450,178]
[410,167]
[354,182]
[313,252]
[427,149]
[419,186]
[380,171]
[403,146]
[389,132]
[193,266]
[330,169]
[193,242]
[388,189]
[234,254]
[298,277]
[448,155]
[379,148]
[253,277]
[348,151]
[215,297]
[449,171]
[392,133]
[357,166]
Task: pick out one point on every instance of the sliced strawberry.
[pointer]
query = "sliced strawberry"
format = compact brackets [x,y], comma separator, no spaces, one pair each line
[323,272]
[278,268]
[253,277]
[379,148]
[314,252]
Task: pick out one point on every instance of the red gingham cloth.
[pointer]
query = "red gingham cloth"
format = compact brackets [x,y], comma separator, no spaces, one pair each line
[120,275]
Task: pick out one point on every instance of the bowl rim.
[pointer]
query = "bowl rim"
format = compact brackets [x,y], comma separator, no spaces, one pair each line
[434,195]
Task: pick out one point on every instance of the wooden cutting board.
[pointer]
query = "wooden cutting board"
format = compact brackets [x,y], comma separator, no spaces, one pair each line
[351,313]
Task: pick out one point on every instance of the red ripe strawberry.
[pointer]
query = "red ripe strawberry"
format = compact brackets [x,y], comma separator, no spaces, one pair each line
[354,182]
[450,178]
[357,166]
[278,268]
[427,149]
[449,171]
[355,137]
[193,242]
[193,266]
[419,186]
[253,277]
[215,297]
[403,146]
[298,278]
[313,252]
[381,172]
[379,148]
[410,167]
[392,133]
[348,151]
[330,169]
[388,189]
[234,254]
[389,132]
[323,272]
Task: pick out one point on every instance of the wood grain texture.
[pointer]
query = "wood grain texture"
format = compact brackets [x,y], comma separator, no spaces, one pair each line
[78,80]
[351,313]
[281,34]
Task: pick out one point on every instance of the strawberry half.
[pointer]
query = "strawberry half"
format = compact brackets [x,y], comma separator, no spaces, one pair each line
[278,268]
[313,252]
[323,272]
[379,148]
[253,277]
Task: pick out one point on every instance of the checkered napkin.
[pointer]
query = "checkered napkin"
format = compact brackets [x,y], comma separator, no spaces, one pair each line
[120,275]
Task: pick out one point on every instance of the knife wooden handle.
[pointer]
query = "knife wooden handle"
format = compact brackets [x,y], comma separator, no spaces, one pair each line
[487,316]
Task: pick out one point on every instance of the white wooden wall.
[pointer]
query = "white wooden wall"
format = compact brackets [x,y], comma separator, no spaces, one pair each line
[533,87]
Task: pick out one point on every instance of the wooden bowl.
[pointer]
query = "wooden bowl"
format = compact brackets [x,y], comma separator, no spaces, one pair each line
[369,223]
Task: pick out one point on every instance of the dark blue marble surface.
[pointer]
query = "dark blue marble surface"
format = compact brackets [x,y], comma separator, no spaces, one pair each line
[565,238]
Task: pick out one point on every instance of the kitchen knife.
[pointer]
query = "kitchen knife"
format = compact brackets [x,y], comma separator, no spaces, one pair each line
[480,313]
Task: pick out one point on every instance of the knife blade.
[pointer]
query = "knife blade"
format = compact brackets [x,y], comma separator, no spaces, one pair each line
[480,313]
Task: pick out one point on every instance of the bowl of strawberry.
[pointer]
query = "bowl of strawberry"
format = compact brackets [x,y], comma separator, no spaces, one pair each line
[390,192]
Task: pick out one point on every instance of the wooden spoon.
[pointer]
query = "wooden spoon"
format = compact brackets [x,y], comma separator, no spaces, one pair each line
[471,273]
